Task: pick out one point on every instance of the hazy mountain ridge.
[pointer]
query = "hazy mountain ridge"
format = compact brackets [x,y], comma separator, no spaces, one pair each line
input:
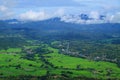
[82,18]
[56,25]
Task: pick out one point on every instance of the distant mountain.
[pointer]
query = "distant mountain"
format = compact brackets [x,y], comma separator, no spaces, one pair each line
[11,20]
[58,29]
[82,18]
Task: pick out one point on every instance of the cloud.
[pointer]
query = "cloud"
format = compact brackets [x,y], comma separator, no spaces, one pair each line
[32,11]
[31,15]
[115,18]
[60,12]
[5,12]
[8,3]
[40,15]
[29,9]
[6,9]
[3,8]
[94,14]
[94,17]
[100,5]
[72,19]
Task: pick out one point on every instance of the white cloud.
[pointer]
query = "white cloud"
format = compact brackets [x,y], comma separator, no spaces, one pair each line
[94,15]
[40,15]
[6,9]
[31,15]
[5,12]
[115,18]
[3,8]
[72,19]
[60,12]
[94,18]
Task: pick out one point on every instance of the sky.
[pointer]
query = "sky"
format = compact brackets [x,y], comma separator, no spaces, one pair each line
[44,9]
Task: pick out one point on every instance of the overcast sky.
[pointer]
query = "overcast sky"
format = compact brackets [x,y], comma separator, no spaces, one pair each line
[44,8]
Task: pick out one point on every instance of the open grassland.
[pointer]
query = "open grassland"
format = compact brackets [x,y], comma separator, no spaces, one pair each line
[84,67]
[13,64]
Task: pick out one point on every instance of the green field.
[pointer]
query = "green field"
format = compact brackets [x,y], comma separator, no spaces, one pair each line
[11,50]
[13,64]
[85,67]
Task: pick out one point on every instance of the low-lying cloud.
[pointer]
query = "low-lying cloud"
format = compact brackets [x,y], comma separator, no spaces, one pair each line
[40,15]
[92,18]
[34,16]
[115,18]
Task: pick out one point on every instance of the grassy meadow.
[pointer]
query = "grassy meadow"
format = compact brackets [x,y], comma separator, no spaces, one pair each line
[13,63]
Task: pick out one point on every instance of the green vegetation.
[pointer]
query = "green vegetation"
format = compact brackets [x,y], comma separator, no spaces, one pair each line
[59,51]
[101,50]
[14,65]
[54,64]
[11,50]
[99,68]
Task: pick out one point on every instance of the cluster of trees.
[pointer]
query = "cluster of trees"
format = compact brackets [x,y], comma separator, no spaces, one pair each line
[31,52]
[11,42]
[104,50]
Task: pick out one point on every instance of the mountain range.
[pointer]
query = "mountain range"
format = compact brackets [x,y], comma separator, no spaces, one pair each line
[55,27]
[79,19]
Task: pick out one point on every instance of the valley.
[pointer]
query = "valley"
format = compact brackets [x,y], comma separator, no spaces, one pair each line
[41,61]
[46,50]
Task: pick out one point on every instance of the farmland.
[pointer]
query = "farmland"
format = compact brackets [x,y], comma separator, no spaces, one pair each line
[14,64]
